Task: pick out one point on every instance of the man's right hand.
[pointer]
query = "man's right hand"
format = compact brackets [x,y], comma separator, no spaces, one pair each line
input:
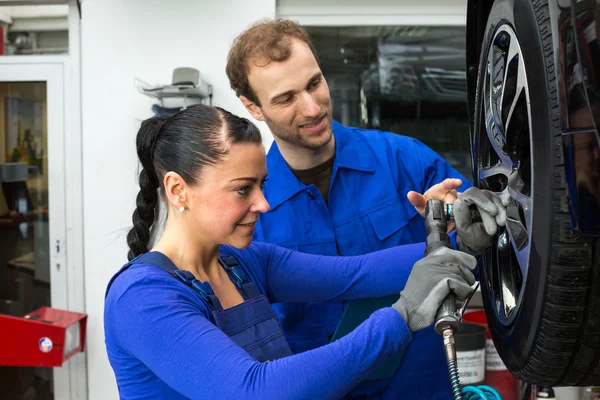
[433,278]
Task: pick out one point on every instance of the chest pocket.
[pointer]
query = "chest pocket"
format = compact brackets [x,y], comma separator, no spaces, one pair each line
[394,224]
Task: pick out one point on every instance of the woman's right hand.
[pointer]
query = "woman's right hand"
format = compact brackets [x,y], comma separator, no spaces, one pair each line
[433,278]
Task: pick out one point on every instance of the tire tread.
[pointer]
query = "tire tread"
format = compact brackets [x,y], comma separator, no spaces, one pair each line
[566,348]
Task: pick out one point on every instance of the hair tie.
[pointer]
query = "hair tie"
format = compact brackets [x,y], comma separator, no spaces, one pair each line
[159,124]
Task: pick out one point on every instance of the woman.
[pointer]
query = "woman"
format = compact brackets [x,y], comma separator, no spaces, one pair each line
[191,318]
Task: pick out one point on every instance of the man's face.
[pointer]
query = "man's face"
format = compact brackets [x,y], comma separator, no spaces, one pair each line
[294,98]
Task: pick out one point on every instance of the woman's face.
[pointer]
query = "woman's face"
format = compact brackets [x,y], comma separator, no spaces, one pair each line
[228,198]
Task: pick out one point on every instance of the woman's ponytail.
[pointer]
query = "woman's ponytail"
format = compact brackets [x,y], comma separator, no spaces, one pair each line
[147,198]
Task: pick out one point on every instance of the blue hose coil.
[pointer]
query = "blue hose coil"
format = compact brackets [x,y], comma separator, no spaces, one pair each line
[481,392]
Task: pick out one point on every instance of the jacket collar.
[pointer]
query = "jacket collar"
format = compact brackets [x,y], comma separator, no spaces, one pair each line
[349,153]
[350,149]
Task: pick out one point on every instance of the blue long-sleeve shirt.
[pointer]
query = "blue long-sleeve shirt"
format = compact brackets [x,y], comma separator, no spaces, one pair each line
[162,342]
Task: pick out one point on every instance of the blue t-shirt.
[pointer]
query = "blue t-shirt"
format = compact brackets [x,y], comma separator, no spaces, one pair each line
[162,342]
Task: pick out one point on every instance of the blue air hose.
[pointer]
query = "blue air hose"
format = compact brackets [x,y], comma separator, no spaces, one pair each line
[481,392]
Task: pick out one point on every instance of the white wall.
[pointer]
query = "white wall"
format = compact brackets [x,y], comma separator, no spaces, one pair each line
[122,40]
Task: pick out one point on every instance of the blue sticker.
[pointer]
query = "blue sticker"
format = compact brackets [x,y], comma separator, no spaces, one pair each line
[45,345]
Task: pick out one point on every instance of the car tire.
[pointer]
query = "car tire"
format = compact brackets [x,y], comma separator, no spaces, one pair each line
[549,334]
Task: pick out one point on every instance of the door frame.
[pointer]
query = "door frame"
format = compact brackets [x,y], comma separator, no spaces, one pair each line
[65,195]
[70,381]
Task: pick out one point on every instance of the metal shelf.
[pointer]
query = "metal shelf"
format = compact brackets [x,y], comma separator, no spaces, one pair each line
[173,96]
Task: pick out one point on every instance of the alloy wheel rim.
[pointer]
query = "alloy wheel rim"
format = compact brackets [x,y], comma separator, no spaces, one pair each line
[504,160]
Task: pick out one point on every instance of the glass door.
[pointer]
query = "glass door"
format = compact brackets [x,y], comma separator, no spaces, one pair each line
[32,210]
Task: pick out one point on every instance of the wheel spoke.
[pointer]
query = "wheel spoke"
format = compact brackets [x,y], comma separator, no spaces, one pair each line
[509,301]
[514,85]
[518,222]
[493,120]
[526,203]
[504,273]
[495,137]
[498,85]
[521,250]
[498,169]
[508,298]
[494,282]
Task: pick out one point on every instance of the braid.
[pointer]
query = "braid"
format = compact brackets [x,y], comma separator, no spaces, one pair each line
[143,217]
[147,198]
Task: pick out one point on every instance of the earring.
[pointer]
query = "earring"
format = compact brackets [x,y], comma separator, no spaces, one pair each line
[182,209]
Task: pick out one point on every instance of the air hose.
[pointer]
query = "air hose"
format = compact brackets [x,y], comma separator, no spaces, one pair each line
[447,320]
[480,392]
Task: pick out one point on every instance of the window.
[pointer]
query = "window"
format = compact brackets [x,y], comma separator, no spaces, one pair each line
[410,80]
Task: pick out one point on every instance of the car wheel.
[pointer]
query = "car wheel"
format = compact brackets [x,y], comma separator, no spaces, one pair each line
[540,280]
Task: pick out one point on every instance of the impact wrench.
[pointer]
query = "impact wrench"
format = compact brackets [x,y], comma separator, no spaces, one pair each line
[447,320]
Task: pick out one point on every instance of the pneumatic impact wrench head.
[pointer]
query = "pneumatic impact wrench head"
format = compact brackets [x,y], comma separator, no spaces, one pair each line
[436,225]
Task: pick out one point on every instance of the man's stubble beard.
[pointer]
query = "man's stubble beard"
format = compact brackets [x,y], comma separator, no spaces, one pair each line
[292,136]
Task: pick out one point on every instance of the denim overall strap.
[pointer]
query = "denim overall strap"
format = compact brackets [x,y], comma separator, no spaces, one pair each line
[152,258]
[253,324]
[163,262]
[202,288]
[239,278]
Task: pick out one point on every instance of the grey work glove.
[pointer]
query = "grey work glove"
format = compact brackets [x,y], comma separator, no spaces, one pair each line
[474,237]
[433,278]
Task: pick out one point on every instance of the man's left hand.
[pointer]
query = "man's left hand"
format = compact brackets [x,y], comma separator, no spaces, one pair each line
[444,191]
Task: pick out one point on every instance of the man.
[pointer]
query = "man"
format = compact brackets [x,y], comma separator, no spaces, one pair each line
[336,190]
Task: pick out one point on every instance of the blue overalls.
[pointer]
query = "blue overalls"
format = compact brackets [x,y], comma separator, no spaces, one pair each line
[252,325]
[367,210]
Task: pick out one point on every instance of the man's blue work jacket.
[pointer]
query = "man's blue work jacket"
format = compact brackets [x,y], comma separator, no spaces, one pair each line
[367,210]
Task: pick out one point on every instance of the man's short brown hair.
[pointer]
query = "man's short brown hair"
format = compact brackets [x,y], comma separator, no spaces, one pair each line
[262,43]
